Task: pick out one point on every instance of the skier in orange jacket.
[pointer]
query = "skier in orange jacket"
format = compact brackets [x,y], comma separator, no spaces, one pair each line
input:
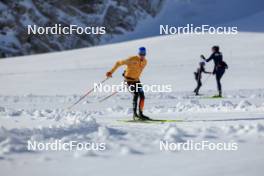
[134,67]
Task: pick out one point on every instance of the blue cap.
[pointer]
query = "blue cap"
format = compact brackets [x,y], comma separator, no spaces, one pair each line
[142,51]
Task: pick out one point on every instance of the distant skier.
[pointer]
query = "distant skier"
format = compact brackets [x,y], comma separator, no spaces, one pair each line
[134,68]
[198,77]
[219,67]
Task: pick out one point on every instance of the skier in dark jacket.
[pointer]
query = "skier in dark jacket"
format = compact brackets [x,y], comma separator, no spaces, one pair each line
[219,66]
[198,77]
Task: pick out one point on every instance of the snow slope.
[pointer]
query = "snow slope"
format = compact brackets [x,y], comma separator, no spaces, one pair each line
[179,54]
[246,15]
[36,90]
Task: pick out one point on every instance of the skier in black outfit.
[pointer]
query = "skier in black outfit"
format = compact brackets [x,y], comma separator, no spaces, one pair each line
[198,77]
[219,67]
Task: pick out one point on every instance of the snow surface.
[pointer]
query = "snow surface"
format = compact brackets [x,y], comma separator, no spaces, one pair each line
[246,15]
[36,90]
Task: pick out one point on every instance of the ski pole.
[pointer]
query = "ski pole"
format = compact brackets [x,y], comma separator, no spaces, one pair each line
[112,94]
[100,101]
[86,94]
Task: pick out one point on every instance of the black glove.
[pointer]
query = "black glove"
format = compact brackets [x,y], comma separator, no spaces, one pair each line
[202,56]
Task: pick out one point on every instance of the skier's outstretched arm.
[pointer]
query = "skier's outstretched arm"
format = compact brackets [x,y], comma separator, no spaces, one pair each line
[203,70]
[207,72]
[209,59]
[117,64]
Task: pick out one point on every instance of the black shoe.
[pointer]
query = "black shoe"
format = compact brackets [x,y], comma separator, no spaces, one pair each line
[143,117]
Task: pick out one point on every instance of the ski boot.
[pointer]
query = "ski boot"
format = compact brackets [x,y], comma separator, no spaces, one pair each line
[218,96]
[136,117]
[143,117]
[196,92]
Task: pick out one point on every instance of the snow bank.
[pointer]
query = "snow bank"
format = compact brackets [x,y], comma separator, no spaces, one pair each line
[15,140]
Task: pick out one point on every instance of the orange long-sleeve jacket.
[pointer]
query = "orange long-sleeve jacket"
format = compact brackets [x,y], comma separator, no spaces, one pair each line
[134,67]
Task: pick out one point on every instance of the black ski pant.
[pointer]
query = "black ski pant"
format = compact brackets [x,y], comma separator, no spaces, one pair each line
[218,75]
[137,90]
